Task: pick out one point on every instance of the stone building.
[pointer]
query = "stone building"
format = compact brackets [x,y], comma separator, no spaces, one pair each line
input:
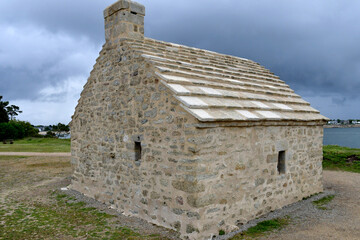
[190,139]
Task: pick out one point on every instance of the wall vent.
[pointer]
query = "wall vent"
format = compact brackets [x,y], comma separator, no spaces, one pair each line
[137,151]
[281,162]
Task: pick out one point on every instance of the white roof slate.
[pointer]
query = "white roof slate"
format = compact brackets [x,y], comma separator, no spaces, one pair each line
[216,87]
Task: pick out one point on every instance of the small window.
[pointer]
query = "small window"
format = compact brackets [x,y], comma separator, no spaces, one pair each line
[137,151]
[281,162]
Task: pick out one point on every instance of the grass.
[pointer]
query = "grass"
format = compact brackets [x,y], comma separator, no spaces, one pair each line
[37,145]
[64,219]
[341,158]
[320,204]
[262,228]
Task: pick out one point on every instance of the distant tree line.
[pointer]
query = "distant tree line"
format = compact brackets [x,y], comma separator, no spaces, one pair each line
[55,130]
[343,122]
[10,128]
[58,128]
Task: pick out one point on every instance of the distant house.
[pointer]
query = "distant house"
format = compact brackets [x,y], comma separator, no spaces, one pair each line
[190,139]
[333,122]
[40,128]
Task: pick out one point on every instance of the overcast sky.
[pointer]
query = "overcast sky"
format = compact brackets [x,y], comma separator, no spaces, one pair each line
[48,47]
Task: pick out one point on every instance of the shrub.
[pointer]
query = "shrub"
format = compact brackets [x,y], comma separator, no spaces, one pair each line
[30,131]
[50,134]
[16,130]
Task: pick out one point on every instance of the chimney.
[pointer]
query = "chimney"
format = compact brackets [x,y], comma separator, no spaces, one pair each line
[124,19]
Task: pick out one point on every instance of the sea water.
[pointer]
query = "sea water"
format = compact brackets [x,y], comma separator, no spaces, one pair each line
[346,137]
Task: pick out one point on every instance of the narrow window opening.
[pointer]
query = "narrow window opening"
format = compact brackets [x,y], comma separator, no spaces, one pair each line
[281,162]
[135,13]
[137,151]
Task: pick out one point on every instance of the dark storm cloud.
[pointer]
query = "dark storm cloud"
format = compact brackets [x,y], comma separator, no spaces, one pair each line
[32,58]
[312,45]
[43,43]
[80,17]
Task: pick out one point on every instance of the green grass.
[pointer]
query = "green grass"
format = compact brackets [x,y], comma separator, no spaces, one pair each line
[37,145]
[262,228]
[64,219]
[341,158]
[320,204]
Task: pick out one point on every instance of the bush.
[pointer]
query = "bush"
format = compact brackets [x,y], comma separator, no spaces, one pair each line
[16,130]
[50,134]
[30,131]
[8,131]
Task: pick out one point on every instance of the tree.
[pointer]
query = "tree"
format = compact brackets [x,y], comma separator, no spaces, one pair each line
[8,112]
[60,127]
[63,128]
[4,117]
[13,111]
[17,129]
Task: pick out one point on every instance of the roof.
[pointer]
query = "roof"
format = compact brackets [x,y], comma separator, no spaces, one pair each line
[217,87]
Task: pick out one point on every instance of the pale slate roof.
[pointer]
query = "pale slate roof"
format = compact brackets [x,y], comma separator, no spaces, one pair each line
[216,87]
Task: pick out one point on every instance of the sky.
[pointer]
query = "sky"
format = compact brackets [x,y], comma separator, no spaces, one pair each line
[48,47]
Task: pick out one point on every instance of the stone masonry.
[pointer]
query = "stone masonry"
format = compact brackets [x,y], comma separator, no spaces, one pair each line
[139,148]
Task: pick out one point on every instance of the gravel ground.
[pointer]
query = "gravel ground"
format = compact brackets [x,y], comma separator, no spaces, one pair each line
[290,210]
[341,220]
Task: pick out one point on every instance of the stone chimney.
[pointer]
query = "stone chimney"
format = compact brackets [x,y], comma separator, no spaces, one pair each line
[124,19]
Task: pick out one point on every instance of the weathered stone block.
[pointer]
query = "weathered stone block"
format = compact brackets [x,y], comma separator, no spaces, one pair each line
[189,187]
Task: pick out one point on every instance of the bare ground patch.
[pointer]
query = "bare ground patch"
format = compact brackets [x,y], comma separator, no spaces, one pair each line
[337,219]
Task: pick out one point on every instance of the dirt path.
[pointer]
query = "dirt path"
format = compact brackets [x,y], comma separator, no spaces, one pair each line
[340,221]
[36,154]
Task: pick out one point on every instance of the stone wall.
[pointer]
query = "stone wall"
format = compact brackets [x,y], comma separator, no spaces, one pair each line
[238,174]
[194,180]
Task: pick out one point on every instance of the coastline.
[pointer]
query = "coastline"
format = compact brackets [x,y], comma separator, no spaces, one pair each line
[342,126]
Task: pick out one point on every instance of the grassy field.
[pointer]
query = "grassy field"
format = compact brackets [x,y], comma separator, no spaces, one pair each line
[37,145]
[341,158]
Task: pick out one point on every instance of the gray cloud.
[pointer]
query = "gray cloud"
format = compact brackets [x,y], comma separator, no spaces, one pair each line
[312,45]
[75,18]
[32,58]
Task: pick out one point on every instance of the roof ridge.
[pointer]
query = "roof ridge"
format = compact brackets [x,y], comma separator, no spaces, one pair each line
[205,50]
[215,70]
